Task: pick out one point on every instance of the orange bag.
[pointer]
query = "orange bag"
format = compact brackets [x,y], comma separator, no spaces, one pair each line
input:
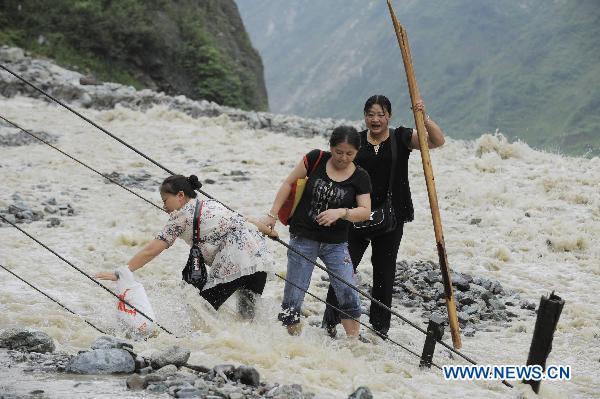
[291,202]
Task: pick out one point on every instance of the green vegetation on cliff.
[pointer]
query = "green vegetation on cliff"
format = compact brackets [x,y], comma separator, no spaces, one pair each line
[196,48]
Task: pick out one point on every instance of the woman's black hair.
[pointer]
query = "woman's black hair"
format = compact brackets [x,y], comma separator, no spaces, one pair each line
[176,183]
[380,100]
[345,134]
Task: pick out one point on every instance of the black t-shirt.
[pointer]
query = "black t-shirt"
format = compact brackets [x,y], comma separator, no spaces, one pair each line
[322,193]
[378,166]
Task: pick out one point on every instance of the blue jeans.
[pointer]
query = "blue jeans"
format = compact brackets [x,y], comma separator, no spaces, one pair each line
[299,271]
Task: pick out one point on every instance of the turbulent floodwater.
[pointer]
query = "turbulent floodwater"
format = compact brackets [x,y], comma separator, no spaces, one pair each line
[539,232]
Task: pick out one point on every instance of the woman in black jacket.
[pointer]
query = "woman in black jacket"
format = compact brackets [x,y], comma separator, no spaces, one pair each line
[375,156]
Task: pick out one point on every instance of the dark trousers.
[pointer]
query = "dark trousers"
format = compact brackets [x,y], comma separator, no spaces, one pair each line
[218,294]
[384,250]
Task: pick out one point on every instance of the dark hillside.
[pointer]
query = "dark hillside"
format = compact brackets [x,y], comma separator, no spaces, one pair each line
[196,48]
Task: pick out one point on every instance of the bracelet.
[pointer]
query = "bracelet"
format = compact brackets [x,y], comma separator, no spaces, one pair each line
[271,216]
[346,214]
[427,117]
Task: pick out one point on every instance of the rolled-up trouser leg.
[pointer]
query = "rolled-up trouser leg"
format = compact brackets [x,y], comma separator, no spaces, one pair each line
[356,247]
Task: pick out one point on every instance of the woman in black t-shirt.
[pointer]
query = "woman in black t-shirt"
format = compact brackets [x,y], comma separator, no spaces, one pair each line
[375,156]
[336,194]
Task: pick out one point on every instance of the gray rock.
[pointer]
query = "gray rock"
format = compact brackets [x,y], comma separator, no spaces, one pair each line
[89,81]
[175,381]
[156,377]
[189,392]
[469,332]
[86,100]
[201,384]
[433,276]
[286,392]
[157,388]
[460,282]
[464,317]
[136,382]
[51,209]
[166,371]
[476,290]
[472,309]
[467,299]
[224,371]
[525,304]
[11,54]
[108,342]
[496,304]
[485,283]
[496,288]
[487,296]
[102,361]
[15,209]
[247,375]
[459,295]
[174,355]
[26,340]
[361,393]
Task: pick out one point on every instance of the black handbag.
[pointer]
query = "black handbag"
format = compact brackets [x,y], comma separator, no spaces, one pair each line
[194,272]
[383,218]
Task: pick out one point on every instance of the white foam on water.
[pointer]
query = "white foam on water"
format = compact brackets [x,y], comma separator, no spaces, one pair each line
[539,232]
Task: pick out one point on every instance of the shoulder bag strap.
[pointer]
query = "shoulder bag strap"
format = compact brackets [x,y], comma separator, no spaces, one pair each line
[315,165]
[197,216]
[394,148]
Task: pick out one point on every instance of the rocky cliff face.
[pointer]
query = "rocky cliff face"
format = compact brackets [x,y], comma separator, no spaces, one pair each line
[196,48]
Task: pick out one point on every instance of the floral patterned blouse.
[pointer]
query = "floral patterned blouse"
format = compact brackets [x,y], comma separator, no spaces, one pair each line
[231,246]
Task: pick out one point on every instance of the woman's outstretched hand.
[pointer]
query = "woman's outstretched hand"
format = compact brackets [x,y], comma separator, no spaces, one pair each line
[112,276]
[272,233]
[264,228]
[268,220]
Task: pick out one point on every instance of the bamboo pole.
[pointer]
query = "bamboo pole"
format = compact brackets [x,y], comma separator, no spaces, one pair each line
[429,179]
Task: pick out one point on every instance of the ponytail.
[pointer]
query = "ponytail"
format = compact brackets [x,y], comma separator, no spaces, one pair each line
[176,183]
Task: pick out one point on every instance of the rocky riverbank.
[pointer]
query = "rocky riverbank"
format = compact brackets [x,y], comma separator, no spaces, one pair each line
[165,371]
[75,88]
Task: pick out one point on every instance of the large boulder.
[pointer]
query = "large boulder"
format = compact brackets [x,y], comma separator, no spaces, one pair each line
[102,361]
[26,340]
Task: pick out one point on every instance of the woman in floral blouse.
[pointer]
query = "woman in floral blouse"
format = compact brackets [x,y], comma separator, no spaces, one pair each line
[234,249]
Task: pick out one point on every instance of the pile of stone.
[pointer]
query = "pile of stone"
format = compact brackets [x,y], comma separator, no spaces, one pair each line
[18,139]
[479,301]
[164,371]
[142,180]
[20,212]
[72,87]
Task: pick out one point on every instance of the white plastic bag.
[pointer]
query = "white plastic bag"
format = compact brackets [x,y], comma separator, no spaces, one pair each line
[133,292]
